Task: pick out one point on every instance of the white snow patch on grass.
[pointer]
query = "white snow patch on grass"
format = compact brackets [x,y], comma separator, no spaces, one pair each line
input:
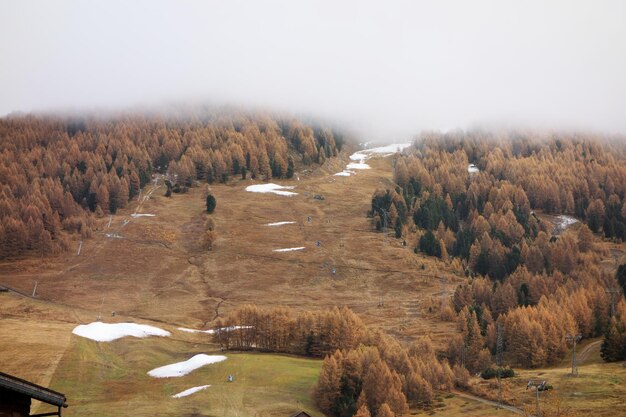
[382,150]
[279,223]
[183,368]
[271,188]
[389,149]
[562,222]
[212,331]
[358,165]
[190,391]
[135,215]
[345,173]
[472,169]
[107,332]
[565,220]
[288,249]
[186,330]
[362,156]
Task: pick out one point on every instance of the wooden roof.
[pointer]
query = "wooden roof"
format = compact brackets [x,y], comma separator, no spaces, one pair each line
[301,414]
[32,390]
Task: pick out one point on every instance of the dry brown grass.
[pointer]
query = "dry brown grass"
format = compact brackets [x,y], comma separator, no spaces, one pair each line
[159,273]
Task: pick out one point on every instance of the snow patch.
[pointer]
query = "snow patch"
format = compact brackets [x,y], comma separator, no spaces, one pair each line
[361,156]
[186,330]
[107,332]
[183,368]
[562,222]
[345,173]
[279,223]
[135,215]
[271,188]
[190,391]
[382,150]
[472,169]
[212,331]
[288,249]
[358,165]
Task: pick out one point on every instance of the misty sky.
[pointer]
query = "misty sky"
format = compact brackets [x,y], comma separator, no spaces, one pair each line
[385,68]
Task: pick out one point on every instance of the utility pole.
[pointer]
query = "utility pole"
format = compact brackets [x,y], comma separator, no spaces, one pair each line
[539,385]
[612,292]
[499,347]
[573,339]
[463,356]
[35,289]
[80,246]
[100,310]
[442,282]
[385,220]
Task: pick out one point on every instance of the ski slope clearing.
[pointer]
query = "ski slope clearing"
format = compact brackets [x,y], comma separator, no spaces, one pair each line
[279,223]
[190,391]
[289,249]
[183,368]
[271,188]
[107,332]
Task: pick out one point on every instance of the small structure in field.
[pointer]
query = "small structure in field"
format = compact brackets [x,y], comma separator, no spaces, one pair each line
[16,395]
[301,414]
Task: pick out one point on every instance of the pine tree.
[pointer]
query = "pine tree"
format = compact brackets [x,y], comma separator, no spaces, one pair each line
[211,203]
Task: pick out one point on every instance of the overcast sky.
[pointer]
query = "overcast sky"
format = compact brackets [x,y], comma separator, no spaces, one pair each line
[386,68]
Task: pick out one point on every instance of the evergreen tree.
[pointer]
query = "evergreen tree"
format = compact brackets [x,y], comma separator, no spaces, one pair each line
[429,244]
[211,203]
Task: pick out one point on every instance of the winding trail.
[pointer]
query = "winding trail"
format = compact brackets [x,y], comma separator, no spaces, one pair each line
[488,402]
[584,354]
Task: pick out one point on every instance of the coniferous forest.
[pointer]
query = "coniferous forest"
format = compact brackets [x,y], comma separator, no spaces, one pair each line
[538,280]
[58,173]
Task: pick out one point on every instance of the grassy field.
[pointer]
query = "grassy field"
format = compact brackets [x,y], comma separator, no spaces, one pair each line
[113,380]
[598,390]
[454,406]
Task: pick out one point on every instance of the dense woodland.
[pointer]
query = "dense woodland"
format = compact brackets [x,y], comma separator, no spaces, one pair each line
[59,173]
[539,283]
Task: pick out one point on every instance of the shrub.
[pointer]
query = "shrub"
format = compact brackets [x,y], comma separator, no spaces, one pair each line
[493,372]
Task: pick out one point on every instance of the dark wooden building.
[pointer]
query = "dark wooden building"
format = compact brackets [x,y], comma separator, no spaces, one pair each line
[16,395]
[301,414]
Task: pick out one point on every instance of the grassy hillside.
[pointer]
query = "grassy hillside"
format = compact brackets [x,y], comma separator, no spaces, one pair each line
[115,381]
[156,272]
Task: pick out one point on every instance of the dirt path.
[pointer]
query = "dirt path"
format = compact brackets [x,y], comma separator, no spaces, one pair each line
[584,354]
[488,402]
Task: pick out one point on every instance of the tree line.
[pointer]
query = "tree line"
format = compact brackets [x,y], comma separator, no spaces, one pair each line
[59,173]
[283,330]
